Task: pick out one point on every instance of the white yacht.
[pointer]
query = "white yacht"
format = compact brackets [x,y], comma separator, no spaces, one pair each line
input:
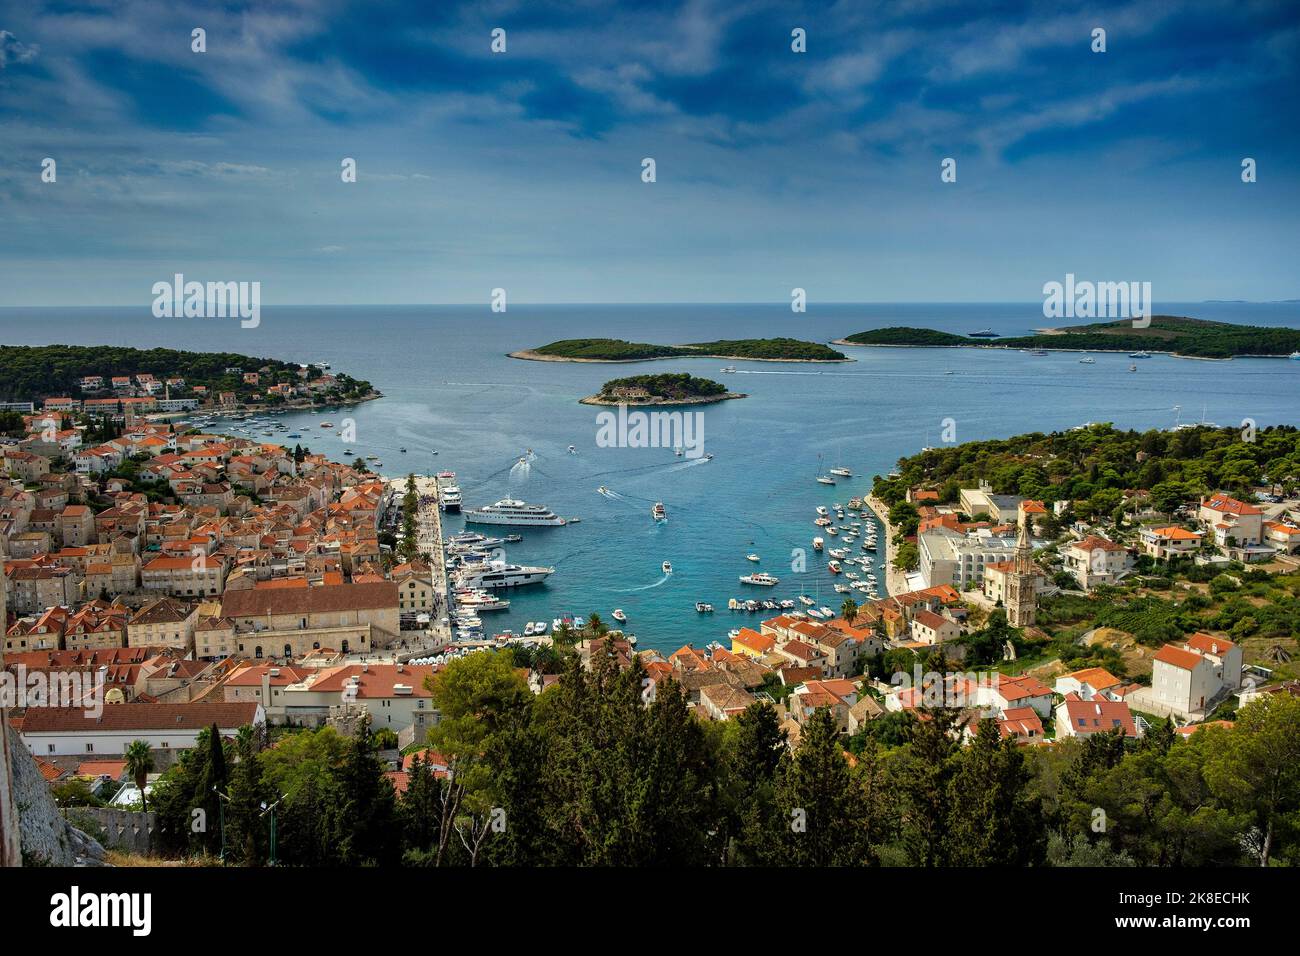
[511,511]
[500,575]
[762,579]
[825,480]
[752,557]
[842,472]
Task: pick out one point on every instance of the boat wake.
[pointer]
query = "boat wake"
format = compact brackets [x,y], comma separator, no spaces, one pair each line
[646,587]
[610,494]
[689,463]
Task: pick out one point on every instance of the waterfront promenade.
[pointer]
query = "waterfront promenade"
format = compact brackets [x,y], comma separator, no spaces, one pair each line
[895,581]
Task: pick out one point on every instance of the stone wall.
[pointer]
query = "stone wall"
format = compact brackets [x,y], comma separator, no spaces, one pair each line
[46,838]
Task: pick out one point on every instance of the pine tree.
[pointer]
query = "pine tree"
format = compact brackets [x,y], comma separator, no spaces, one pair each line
[926,767]
[818,801]
[990,821]
[368,812]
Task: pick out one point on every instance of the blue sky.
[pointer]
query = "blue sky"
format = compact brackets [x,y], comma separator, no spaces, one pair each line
[522,170]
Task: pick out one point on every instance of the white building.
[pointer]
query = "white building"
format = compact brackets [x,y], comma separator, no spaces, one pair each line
[78,731]
[1188,679]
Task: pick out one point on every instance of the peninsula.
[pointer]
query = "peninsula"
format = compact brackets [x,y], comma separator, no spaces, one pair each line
[680,389]
[619,350]
[1177,335]
[111,378]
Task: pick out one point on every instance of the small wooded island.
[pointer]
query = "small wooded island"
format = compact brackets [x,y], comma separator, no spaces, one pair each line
[619,350]
[668,389]
[1179,335]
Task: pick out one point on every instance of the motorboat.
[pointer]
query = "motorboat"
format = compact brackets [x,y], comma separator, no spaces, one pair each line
[1139,354]
[806,600]
[573,449]
[729,368]
[825,480]
[842,472]
[1088,361]
[752,557]
[834,567]
[539,628]
[659,512]
[703,608]
[787,604]
[618,615]
[821,510]
[762,579]
[818,544]
[667,567]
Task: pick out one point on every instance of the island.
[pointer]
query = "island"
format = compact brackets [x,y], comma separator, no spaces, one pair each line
[619,350]
[1177,335]
[669,389]
[110,378]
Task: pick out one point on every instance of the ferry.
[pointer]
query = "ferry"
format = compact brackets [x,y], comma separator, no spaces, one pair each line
[667,567]
[448,491]
[659,512]
[762,579]
[511,511]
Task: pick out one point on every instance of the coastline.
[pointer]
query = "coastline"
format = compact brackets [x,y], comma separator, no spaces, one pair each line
[895,580]
[533,356]
[1053,348]
[697,400]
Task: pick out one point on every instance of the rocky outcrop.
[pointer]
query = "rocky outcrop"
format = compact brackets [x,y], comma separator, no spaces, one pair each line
[46,838]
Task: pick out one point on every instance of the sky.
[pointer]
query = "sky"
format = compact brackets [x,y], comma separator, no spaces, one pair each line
[523,169]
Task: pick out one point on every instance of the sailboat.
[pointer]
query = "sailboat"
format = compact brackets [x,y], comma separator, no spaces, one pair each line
[822,478]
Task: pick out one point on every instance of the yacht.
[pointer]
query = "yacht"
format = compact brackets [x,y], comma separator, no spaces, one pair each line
[1294,356]
[659,512]
[818,544]
[618,615]
[501,575]
[752,557]
[1088,361]
[668,567]
[825,480]
[729,368]
[984,334]
[511,511]
[821,510]
[1139,354]
[842,472]
[762,579]
[703,608]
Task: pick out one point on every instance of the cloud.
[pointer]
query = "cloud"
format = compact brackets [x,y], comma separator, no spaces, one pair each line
[12,50]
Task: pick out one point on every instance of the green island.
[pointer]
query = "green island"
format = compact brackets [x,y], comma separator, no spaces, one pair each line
[667,389]
[619,350]
[1179,335]
[33,373]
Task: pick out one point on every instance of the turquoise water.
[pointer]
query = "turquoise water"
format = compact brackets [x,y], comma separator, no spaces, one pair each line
[450,388]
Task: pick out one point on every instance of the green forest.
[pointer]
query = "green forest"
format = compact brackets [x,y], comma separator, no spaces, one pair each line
[1095,465]
[604,769]
[1166,333]
[669,385]
[30,373]
[618,350]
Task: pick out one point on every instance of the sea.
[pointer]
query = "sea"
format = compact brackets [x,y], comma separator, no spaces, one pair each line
[455,401]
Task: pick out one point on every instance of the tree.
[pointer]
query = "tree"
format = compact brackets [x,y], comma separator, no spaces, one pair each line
[1255,767]
[990,820]
[923,773]
[139,764]
[819,802]
[849,610]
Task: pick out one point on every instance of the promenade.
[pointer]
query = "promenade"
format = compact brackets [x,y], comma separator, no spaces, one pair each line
[895,581]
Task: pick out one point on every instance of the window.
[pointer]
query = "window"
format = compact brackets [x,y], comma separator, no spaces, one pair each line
[90,748]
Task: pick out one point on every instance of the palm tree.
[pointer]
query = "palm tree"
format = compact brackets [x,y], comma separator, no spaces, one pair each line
[595,625]
[139,764]
[849,609]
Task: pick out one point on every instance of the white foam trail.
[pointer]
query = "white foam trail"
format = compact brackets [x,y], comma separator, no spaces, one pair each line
[646,587]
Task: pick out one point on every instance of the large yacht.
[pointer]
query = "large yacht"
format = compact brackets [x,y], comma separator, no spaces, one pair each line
[762,579]
[448,491]
[514,512]
[500,575]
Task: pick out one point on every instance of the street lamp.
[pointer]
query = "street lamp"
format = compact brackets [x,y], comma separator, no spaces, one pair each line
[271,810]
[222,800]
